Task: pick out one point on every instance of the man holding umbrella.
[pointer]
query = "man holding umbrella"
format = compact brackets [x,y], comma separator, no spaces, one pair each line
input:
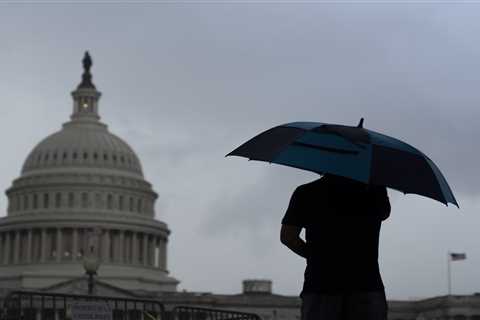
[342,212]
[342,220]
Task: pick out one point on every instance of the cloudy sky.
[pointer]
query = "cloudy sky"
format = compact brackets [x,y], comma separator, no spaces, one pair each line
[185,83]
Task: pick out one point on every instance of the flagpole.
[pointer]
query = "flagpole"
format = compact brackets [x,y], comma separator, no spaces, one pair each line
[449,275]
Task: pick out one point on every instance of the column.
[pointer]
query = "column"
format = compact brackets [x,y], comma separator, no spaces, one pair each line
[121,246]
[164,258]
[16,250]
[145,249]
[2,246]
[106,246]
[148,245]
[59,245]
[153,245]
[6,257]
[43,246]
[114,245]
[158,252]
[29,245]
[128,248]
[74,244]
[134,248]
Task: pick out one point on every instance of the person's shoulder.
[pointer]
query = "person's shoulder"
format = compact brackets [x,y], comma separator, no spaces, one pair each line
[311,186]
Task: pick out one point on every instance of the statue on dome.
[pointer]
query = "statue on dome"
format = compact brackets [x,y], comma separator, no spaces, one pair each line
[86,76]
[87,62]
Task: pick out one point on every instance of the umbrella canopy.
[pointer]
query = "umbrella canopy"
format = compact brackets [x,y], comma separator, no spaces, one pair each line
[353,152]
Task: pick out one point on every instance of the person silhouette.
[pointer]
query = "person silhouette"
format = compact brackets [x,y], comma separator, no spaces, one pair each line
[342,220]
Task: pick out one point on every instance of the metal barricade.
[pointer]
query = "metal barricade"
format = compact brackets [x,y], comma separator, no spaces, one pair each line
[197,313]
[24,305]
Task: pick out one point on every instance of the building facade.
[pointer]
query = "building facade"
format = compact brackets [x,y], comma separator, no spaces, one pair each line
[82,193]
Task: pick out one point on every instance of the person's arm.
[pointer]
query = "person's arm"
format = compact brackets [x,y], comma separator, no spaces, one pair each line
[381,202]
[290,237]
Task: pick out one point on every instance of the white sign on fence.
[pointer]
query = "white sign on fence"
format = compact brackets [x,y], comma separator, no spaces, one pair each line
[90,310]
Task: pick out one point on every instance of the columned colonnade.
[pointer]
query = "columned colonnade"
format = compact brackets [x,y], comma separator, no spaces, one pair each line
[68,244]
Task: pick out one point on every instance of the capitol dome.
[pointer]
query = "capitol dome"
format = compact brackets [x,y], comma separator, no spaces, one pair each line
[83,145]
[82,192]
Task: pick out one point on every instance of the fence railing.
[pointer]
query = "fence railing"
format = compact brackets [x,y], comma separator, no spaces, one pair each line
[197,313]
[26,305]
[23,305]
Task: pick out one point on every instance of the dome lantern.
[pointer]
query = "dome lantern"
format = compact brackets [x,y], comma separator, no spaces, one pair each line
[86,96]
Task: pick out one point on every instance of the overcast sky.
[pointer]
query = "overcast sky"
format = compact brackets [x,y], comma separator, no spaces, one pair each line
[186,83]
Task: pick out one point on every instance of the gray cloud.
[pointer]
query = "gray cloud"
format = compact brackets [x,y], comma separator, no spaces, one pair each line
[186,84]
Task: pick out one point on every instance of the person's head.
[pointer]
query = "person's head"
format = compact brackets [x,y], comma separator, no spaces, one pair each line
[334,178]
[342,181]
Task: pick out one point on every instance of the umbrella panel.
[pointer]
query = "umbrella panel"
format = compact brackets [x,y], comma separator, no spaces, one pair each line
[406,172]
[352,165]
[267,144]
[328,142]
[356,135]
[446,191]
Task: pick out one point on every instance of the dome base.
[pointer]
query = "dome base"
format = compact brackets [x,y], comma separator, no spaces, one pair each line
[46,276]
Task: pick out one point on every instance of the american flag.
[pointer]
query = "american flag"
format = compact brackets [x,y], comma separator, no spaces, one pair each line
[458,256]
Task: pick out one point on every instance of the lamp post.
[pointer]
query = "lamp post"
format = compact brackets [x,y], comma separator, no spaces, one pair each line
[91,264]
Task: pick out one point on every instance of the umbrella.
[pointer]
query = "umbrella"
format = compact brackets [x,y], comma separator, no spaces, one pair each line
[353,152]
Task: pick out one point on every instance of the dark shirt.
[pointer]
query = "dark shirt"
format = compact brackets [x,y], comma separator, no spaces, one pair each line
[342,219]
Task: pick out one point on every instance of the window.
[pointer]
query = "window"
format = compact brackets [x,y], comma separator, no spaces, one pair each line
[67,244]
[52,243]
[23,250]
[46,200]
[12,246]
[131,204]
[128,247]
[71,200]
[120,203]
[85,155]
[25,202]
[35,201]
[98,200]
[15,203]
[111,250]
[139,205]
[36,245]
[140,245]
[110,202]
[84,200]
[81,242]
[58,200]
